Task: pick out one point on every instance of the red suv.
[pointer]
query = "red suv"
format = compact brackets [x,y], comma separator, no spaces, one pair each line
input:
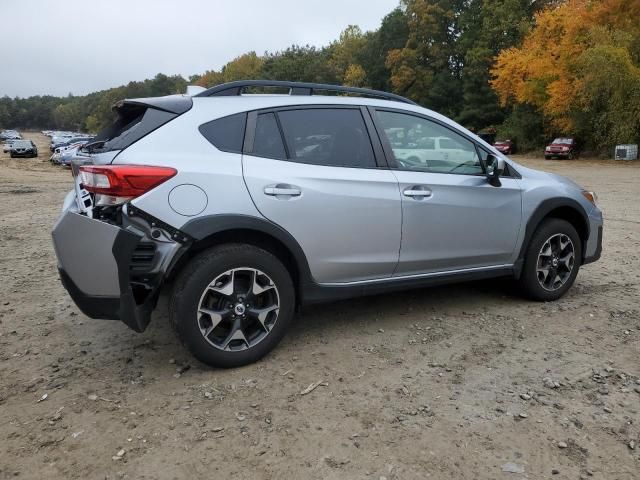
[563,147]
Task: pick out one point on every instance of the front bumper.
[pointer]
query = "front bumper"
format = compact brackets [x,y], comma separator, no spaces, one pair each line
[593,246]
[557,154]
[94,259]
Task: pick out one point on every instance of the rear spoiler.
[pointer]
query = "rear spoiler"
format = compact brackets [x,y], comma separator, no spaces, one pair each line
[177,104]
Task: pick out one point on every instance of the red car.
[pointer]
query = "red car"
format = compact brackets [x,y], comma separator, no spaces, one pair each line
[562,147]
[505,146]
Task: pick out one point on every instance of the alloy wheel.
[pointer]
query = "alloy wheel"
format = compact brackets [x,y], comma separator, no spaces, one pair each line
[555,262]
[238,309]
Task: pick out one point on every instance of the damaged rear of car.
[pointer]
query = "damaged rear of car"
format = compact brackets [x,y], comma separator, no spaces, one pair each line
[111,256]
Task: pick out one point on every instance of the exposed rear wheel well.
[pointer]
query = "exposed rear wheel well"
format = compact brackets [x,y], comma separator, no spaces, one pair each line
[248,237]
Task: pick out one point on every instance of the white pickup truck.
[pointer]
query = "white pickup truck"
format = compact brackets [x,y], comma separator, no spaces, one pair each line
[440,154]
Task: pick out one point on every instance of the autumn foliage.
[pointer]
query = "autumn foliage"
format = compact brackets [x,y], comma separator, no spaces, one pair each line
[580,67]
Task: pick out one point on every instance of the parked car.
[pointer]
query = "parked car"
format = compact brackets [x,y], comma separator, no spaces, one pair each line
[23,148]
[506,147]
[68,154]
[6,147]
[245,207]
[10,135]
[60,140]
[61,154]
[561,147]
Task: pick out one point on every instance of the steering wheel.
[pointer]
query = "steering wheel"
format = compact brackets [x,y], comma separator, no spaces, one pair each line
[465,164]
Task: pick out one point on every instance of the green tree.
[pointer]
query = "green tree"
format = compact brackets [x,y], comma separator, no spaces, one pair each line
[427,68]
[391,35]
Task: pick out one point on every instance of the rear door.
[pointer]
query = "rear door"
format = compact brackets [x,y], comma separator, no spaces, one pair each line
[315,172]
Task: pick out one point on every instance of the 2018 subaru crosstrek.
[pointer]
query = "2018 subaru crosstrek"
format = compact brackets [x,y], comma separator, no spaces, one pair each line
[247,206]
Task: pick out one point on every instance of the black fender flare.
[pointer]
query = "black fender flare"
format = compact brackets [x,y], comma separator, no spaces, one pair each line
[539,214]
[203,227]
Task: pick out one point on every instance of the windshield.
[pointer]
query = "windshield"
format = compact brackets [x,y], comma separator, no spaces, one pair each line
[568,141]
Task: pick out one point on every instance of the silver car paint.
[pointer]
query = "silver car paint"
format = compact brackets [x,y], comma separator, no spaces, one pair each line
[347,220]
[464,223]
[220,175]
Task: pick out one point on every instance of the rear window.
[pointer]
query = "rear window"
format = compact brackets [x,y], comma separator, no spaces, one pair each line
[268,141]
[327,136]
[133,123]
[226,133]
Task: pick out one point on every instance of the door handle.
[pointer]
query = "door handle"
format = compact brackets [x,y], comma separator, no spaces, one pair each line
[418,192]
[287,190]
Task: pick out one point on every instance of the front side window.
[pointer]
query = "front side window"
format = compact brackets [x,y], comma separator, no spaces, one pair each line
[422,145]
[327,136]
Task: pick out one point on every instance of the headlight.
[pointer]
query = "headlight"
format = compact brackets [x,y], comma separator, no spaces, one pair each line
[591,196]
[548,148]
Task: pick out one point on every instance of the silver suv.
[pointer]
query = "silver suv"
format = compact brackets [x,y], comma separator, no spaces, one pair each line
[246,206]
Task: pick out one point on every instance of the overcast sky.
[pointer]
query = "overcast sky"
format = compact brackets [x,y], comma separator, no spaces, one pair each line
[80,46]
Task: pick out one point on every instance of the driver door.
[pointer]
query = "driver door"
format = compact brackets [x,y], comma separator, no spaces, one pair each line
[452,218]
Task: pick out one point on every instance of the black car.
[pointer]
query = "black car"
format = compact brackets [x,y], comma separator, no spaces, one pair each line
[24,148]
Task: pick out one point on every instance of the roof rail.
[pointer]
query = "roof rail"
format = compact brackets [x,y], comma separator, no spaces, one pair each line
[297,88]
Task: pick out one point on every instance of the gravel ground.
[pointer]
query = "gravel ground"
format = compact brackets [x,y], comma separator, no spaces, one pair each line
[466,381]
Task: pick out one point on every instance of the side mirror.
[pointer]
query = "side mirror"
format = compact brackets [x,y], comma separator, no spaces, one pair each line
[495,167]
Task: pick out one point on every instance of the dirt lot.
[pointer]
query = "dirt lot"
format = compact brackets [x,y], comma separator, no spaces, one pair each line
[458,382]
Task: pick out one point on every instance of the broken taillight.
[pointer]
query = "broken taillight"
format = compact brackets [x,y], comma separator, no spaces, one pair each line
[119,183]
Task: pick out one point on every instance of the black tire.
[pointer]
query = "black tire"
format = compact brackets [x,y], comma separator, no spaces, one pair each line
[547,157]
[193,281]
[528,281]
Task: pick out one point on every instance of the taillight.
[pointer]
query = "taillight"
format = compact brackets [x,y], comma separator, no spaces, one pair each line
[120,183]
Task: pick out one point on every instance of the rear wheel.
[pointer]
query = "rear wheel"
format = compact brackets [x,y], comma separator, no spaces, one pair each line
[552,260]
[232,304]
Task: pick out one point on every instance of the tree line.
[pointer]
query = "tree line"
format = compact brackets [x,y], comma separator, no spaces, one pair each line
[527,69]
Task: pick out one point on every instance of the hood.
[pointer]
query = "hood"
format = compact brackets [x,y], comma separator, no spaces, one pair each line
[564,180]
[546,176]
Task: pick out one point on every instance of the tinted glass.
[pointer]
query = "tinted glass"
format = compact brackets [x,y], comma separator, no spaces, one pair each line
[133,123]
[422,145]
[326,136]
[226,133]
[268,141]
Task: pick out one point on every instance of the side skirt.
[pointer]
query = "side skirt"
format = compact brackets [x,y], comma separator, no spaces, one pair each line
[318,293]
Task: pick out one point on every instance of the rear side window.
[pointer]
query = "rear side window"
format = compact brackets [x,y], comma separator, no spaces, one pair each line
[327,136]
[268,141]
[226,133]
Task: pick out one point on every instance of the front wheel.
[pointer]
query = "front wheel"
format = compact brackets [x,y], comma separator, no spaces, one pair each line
[232,304]
[552,260]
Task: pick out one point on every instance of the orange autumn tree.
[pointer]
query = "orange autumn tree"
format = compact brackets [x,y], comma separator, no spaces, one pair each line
[580,67]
